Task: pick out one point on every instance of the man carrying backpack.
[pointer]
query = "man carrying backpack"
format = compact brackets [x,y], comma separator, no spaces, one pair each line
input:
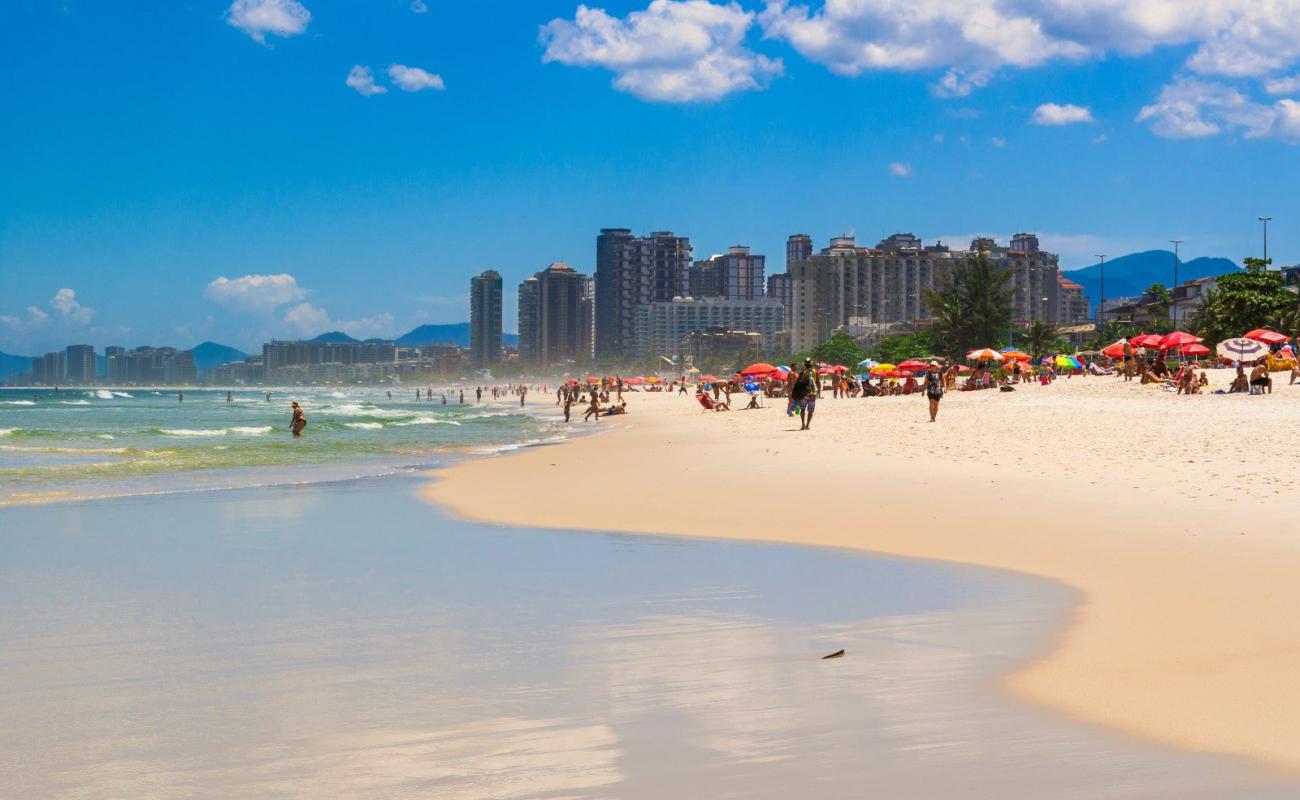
[804,393]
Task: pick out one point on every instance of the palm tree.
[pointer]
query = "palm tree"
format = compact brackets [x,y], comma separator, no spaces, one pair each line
[972,307]
[1041,338]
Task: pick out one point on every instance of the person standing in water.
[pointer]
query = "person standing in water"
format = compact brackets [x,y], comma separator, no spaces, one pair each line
[523,393]
[299,420]
[230,397]
[180,397]
[934,388]
[268,397]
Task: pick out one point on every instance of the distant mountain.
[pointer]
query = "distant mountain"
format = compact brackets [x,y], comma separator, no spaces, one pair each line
[334,337]
[14,365]
[1133,274]
[456,333]
[211,354]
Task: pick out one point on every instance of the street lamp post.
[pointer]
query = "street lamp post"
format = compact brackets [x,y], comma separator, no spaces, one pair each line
[1101,316]
[1175,243]
[1265,220]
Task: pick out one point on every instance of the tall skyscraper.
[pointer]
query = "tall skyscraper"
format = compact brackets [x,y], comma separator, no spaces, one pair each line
[634,271]
[735,275]
[485,319]
[79,362]
[798,247]
[555,317]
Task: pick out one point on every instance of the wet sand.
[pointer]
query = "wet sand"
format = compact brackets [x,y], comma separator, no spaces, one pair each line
[345,640]
[1173,518]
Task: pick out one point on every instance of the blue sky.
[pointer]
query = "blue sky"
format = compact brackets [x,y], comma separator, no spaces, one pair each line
[148,156]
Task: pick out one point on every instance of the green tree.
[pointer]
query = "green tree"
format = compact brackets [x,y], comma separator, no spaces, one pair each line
[894,349]
[1041,339]
[839,349]
[1159,300]
[972,307]
[1251,298]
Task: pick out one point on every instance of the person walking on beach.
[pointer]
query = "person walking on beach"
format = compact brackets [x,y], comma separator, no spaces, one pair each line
[594,408]
[934,388]
[805,393]
[299,420]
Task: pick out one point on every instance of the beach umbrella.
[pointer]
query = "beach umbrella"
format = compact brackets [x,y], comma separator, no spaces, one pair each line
[1266,336]
[693,369]
[761,368]
[915,365]
[1115,350]
[882,369]
[985,354]
[1178,339]
[1194,349]
[1147,340]
[1242,349]
[1066,362]
[1016,355]
[708,378]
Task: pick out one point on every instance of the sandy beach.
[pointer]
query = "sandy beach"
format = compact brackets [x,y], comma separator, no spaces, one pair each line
[1171,517]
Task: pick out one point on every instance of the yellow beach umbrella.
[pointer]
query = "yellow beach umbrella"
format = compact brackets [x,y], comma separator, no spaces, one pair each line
[881,369]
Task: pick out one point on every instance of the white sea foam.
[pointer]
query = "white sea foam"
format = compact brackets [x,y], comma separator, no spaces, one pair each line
[337,394]
[121,394]
[362,410]
[104,394]
[193,432]
[7,431]
[106,436]
[75,402]
[426,421]
[364,426]
[251,431]
[18,402]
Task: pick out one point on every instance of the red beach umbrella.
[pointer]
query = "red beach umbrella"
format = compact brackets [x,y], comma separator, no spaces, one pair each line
[1148,340]
[1267,336]
[1194,349]
[914,364]
[761,368]
[1178,339]
[1115,350]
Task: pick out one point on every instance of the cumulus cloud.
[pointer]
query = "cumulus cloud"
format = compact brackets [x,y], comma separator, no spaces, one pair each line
[65,302]
[255,292]
[35,318]
[1285,84]
[900,170]
[418,6]
[1190,108]
[363,80]
[257,18]
[1057,114]
[961,82]
[674,51]
[306,319]
[412,79]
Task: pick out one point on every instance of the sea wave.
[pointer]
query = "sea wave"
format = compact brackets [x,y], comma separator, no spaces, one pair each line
[7,431]
[122,394]
[192,431]
[425,421]
[250,430]
[365,426]
[18,402]
[75,402]
[361,410]
[103,394]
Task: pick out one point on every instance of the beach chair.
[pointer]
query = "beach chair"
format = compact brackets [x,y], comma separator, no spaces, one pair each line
[705,401]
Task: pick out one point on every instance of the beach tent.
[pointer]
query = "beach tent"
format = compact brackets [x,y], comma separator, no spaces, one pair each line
[1242,349]
[1266,336]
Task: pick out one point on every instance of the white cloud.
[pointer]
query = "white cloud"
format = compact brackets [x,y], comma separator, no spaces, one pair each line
[257,18]
[65,302]
[255,292]
[363,80]
[1190,108]
[673,51]
[960,82]
[35,318]
[1056,114]
[900,170]
[998,142]
[413,79]
[306,319]
[1100,138]
[418,6]
[1286,84]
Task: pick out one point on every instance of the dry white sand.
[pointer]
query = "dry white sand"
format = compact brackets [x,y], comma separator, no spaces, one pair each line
[1173,517]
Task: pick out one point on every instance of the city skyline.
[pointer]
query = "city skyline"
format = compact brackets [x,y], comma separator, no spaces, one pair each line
[166,190]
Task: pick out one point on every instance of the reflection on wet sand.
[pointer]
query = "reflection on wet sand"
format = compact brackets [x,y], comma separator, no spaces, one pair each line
[283,644]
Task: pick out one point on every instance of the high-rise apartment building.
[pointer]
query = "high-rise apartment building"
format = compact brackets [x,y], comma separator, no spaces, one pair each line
[115,364]
[631,272]
[780,287]
[79,363]
[846,284]
[735,275]
[663,327]
[555,317]
[798,247]
[485,319]
[49,369]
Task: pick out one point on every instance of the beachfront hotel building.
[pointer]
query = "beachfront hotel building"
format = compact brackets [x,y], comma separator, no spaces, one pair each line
[737,274]
[556,317]
[662,328]
[632,272]
[79,364]
[845,284]
[798,247]
[485,319]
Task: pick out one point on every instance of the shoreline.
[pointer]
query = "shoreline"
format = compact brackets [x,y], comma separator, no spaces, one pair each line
[1181,633]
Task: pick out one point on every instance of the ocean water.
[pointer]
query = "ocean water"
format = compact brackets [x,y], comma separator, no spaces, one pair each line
[345,640]
[105,442]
